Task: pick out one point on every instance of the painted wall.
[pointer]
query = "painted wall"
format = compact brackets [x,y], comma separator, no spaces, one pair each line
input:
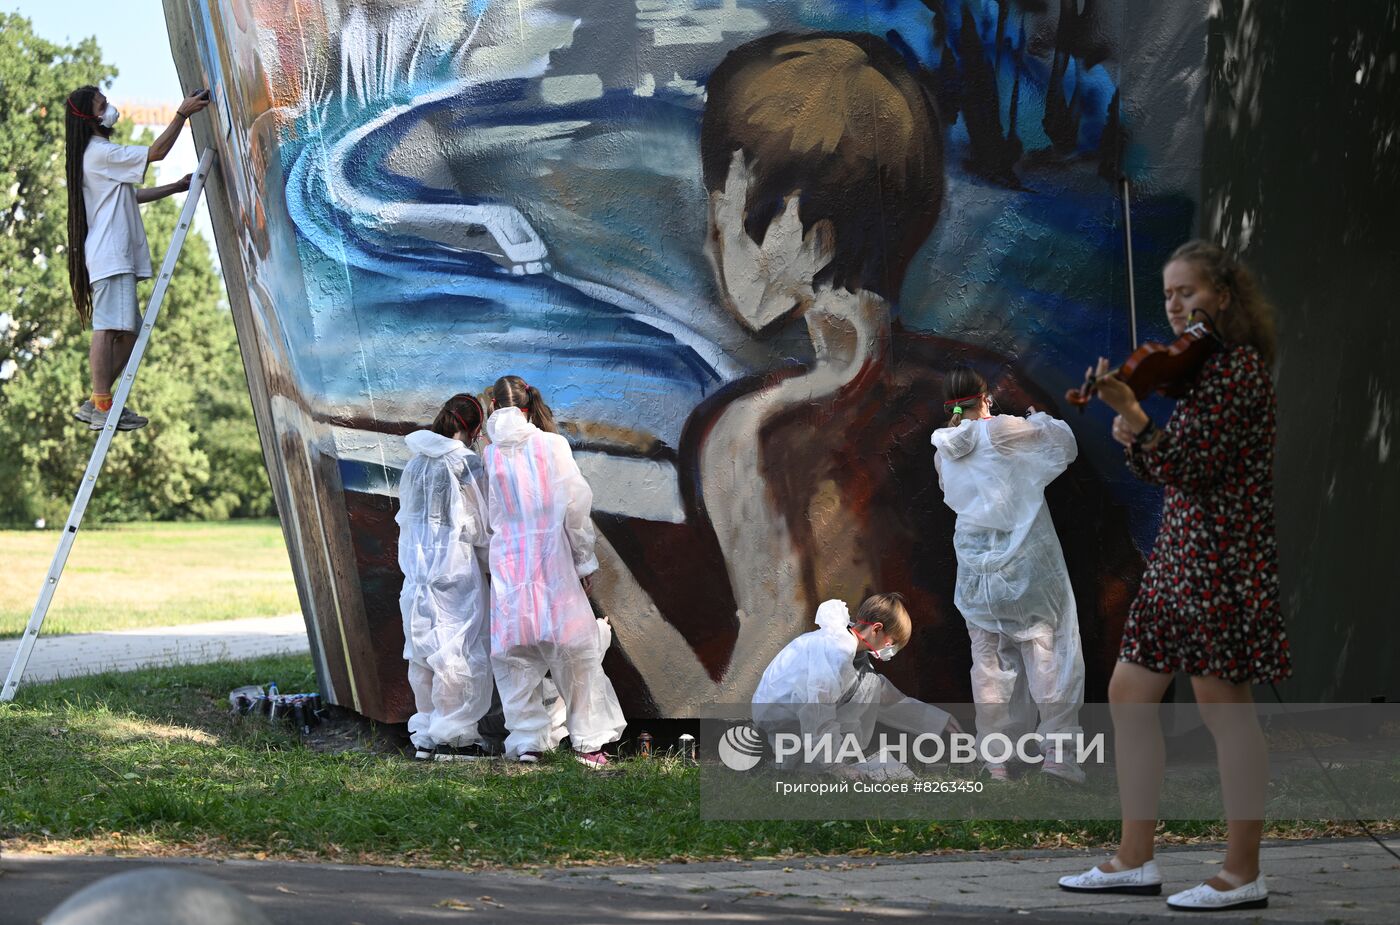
[737,245]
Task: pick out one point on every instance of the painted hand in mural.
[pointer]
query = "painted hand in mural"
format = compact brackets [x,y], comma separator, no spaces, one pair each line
[763,283]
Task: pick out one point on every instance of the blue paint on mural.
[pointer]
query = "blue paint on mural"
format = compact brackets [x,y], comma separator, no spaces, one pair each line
[478,189]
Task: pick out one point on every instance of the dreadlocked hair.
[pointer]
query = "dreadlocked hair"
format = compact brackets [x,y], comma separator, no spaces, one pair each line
[961,382]
[1248,320]
[460,412]
[79,127]
[513,392]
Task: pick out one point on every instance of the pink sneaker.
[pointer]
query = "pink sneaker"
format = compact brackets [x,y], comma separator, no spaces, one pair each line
[595,761]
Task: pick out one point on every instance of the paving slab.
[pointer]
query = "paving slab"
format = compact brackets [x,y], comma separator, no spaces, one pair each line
[1361,888]
[1359,883]
[126,650]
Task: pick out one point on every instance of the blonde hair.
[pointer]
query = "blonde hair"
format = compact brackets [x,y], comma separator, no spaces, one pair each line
[888,610]
[1249,319]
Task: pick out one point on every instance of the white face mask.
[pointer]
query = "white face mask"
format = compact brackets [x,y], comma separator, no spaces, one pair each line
[109,116]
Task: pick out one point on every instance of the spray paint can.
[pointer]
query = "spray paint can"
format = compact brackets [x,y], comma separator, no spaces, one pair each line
[644,743]
[299,715]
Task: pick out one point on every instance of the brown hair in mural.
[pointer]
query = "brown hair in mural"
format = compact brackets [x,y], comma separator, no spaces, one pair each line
[838,120]
[514,392]
[1249,319]
[823,159]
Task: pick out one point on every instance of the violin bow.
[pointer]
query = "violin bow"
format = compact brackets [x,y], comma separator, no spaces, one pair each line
[1126,194]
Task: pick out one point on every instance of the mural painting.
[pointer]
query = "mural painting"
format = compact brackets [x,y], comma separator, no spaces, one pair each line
[736,245]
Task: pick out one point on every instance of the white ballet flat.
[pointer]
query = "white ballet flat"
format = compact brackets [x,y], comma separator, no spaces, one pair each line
[1206,898]
[1140,881]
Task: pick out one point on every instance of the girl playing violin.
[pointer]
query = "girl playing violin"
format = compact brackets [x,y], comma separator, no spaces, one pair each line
[1209,602]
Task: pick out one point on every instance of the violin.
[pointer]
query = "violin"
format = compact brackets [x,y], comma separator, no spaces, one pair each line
[1167,368]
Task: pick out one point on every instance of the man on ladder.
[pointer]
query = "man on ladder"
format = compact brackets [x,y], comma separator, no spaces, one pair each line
[107,249]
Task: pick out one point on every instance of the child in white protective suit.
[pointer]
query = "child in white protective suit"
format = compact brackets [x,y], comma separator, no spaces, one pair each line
[444,602]
[542,558]
[1012,586]
[822,686]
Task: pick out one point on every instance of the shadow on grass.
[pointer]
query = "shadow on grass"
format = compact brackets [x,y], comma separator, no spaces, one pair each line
[152,760]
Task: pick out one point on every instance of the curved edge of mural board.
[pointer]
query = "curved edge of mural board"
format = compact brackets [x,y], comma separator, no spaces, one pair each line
[316,534]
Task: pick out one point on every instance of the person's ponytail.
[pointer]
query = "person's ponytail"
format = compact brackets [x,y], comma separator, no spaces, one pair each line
[540,414]
[962,383]
[460,413]
[514,392]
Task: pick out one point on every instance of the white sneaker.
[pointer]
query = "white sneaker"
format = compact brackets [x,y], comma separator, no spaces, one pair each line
[1140,881]
[1206,898]
[1065,770]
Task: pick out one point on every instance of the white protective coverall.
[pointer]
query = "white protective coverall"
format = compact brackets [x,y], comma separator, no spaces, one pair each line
[813,688]
[1012,587]
[444,602]
[541,545]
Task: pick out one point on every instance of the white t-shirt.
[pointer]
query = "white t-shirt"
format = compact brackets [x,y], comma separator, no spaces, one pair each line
[116,239]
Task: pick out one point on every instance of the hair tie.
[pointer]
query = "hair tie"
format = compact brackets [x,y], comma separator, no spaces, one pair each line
[957,409]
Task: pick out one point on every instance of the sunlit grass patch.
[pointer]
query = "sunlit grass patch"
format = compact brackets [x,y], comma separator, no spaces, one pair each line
[159,574]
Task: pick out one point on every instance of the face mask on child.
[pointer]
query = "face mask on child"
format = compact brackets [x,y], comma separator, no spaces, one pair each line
[886,652]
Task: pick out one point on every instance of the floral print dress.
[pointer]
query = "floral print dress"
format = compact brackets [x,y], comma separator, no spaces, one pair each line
[1209,601]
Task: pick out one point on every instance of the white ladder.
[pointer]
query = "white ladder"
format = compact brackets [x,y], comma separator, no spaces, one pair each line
[109,429]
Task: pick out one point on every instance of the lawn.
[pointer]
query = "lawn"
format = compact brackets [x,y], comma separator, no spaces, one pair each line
[152,574]
[151,762]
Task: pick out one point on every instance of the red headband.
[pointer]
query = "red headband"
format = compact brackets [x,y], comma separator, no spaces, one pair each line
[77,112]
[958,401]
[480,413]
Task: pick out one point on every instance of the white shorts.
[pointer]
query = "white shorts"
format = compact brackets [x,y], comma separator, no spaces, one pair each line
[114,304]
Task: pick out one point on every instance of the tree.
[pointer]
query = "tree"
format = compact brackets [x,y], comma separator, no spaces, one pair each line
[199,457]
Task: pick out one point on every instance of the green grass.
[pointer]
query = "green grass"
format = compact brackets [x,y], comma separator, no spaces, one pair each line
[151,762]
[157,574]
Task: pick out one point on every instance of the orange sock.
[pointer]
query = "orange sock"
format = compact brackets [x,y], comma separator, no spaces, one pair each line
[102,401]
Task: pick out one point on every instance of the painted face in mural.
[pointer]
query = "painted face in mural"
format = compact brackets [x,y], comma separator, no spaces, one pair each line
[763,283]
[1189,291]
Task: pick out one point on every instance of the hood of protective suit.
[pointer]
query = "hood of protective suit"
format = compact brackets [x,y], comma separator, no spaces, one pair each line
[834,617]
[506,426]
[429,443]
[956,442]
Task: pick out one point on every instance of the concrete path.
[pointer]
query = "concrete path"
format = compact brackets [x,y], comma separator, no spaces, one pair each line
[1341,882]
[125,650]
